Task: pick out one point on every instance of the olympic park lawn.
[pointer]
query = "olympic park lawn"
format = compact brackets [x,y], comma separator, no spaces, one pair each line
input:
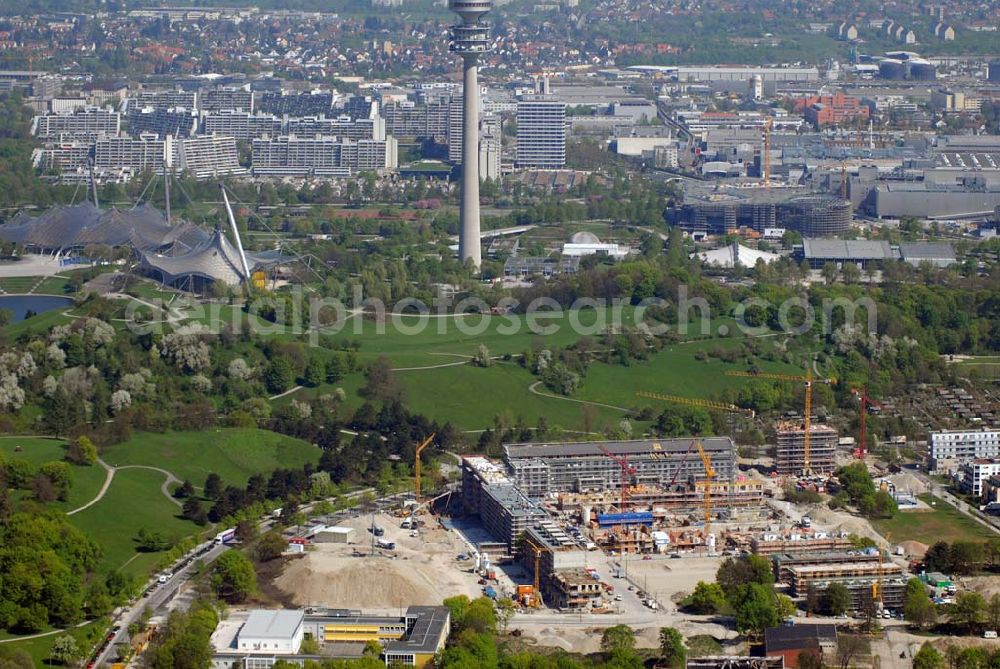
[235,454]
[87,480]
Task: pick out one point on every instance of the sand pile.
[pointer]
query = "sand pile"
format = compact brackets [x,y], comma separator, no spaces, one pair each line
[359,582]
[907,482]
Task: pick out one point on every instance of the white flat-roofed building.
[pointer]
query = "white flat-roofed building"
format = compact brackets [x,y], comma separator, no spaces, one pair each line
[973,474]
[333,535]
[954,447]
[272,632]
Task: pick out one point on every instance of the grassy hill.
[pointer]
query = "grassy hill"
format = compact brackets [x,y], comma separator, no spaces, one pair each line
[233,454]
[87,480]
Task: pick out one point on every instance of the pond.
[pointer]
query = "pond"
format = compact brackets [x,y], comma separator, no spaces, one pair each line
[19,305]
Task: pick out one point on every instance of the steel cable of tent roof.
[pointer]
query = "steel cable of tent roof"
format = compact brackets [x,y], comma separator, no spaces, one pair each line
[281,243]
[75,191]
[189,198]
[143,193]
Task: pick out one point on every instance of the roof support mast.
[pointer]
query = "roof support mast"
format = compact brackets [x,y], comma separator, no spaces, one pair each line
[236,234]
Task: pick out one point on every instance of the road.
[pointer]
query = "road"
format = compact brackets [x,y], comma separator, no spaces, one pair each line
[206,553]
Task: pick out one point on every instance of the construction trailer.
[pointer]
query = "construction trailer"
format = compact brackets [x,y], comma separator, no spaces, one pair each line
[790,457]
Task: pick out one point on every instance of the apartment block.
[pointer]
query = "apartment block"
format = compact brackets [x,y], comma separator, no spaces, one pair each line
[226,99]
[81,124]
[163,99]
[541,469]
[203,157]
[241,125]
[950,448]
[342,127]
[208,157]
[541,132]
[173,122]
[290,155]
[791,453]
[62,156]
[316,103]
[973,475]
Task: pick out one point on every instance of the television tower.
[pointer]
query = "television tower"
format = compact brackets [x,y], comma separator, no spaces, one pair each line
[470,39]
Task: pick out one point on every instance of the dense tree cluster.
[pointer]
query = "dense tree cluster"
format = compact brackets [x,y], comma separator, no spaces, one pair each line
[47,573]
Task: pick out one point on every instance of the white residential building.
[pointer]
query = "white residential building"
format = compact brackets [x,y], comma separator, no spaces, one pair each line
[541,132]
[80,123]
[953,447]
[972,475]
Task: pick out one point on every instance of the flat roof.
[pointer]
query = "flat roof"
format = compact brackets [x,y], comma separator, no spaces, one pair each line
[430,627]
[631,447]
[847,248]
[792,637]
[268,624]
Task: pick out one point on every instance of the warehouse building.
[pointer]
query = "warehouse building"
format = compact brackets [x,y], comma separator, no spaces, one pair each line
[788,642]
[790,458]
[539,470]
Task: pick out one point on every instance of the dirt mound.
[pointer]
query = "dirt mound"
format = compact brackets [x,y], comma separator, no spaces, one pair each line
[914,549]
[357,582]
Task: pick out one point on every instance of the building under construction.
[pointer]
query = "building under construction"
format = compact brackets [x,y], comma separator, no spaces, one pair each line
[799,541]
[741,498]
[784,563]
[810,215]
[863,579]
[790,458]
[488,492]
[540,470]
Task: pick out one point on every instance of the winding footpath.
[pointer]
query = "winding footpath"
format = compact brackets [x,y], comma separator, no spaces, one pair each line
[169,478]
[534,389]
[108,478]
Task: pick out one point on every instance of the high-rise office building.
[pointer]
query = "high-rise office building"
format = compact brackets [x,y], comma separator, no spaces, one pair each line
[541,132]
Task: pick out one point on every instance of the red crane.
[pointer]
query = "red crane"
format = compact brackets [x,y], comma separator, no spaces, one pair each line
[627,471]
[680,465]
[866,403]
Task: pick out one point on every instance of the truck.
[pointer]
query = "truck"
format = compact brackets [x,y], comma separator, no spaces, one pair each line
[385,544]
[226,536]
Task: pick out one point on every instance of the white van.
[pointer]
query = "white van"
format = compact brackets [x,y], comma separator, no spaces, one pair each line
[990,634]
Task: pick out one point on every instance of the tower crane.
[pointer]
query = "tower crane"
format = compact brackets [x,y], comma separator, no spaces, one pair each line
[416,462]
[808,380]
[537,553]
[866,403]
[627,471]
[707,484]
[690,401]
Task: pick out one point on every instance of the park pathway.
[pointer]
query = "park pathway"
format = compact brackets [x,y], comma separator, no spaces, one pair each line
[100,493]
[534,389]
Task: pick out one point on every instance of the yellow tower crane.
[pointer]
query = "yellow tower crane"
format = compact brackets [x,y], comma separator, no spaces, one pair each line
[808,380]
[536,600]
[416,462]
[707,484]
[708,404]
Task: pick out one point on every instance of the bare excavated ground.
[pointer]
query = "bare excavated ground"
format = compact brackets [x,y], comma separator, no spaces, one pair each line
[421,571]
